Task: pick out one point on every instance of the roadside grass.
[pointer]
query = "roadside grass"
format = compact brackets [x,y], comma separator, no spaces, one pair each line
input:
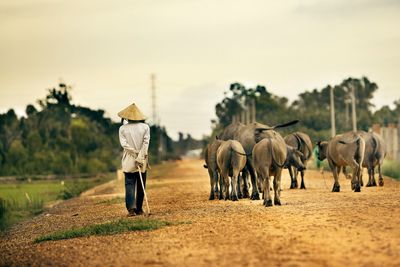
[108,228]
[163,169]
[25,199]
[391,168]
[75,188]
[112,201]
[314,164]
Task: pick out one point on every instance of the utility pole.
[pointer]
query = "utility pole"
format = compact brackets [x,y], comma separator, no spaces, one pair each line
[333,125]
[253,111]
[353,108]
[347,102]
[155,119]
[153,98]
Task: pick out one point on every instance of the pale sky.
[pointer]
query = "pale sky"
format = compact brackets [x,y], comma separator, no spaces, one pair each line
[107,50]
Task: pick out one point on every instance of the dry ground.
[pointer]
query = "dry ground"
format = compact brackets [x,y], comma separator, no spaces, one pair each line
[313,227]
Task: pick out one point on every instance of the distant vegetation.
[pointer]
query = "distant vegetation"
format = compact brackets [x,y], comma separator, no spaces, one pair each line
[57,138]
[391,168]
[62,138]
[311,108]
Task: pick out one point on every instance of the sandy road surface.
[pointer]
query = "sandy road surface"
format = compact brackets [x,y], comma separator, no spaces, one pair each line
[313,227]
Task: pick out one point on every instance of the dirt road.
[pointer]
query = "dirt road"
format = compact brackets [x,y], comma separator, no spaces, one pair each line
[313,227]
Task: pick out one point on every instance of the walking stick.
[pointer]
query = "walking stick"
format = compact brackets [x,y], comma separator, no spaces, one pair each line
[144,191]
[141,180]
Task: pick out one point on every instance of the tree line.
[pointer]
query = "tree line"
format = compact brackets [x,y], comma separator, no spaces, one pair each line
[312,108]
[60,137]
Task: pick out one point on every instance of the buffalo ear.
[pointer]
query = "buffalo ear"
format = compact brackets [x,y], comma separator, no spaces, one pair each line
[299,153]
[216,137]
[318,143]
[263,129]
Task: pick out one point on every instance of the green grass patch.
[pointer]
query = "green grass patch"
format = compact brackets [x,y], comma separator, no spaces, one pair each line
[391,168]
[24,199]
[108,228]
[162,170]
[314,164]
[112,201]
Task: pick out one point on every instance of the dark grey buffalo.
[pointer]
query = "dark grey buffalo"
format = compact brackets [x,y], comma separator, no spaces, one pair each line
[302,143]
[344,150]
[248,135]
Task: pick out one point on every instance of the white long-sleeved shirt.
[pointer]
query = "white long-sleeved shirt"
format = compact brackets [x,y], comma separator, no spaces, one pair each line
[135,139]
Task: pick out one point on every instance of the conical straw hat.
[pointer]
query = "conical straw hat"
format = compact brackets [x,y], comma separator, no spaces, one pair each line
[132,112]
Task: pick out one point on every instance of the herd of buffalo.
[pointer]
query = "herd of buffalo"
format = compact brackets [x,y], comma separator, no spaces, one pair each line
[258,151]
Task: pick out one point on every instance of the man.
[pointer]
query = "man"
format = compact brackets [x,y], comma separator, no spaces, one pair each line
[134,136]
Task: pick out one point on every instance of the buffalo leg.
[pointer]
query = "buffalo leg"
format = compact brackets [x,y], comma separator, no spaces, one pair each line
[277,186]
[371,177]
[266,185]
[254,189]
[336,185]
[216,187]
[296,173]
[212,184]
[355,181]
[245,176]
[225,179]
[221,187]
[239,191]
[380,175]
[302,186]
[292,184]
[234,186]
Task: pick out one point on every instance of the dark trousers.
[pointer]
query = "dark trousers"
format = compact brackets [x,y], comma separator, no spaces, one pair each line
[134,190]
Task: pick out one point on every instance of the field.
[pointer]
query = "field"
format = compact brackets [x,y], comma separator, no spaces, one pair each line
[23,199]
[313,227]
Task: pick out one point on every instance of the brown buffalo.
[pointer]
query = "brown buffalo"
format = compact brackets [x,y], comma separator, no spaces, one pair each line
[231,159]
[303,143]
[375,152]
[210,156]
[344,150]
[269,157]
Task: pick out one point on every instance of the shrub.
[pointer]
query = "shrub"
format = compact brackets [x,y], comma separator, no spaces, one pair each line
[391,168]
[74,189]
[3,215]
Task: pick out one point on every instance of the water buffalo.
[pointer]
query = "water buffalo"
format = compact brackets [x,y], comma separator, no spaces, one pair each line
[303,143]
[344,150]
[270,155]
[231,159]
[248,135]
[210,156]
[375,152]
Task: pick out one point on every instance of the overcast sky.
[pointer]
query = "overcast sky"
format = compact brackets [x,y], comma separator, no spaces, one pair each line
[107,50]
